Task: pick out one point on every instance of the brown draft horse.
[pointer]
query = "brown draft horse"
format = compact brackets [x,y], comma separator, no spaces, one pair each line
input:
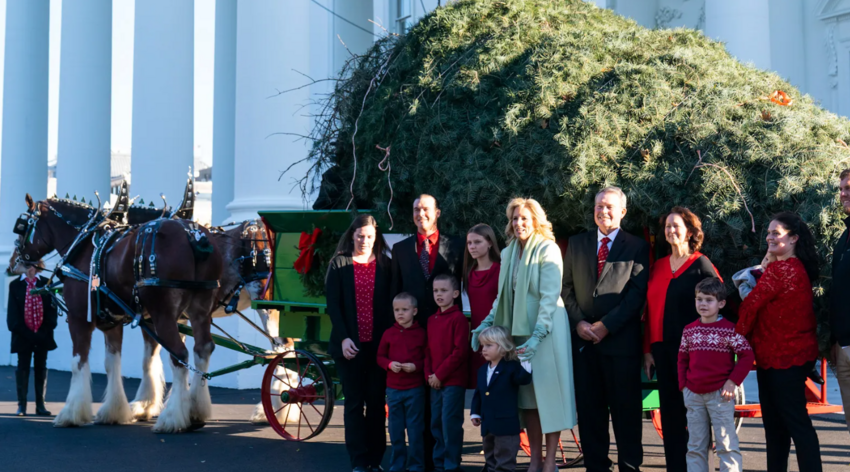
[245,253]
[55,224]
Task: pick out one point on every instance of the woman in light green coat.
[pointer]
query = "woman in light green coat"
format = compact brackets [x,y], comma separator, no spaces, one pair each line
[529,305]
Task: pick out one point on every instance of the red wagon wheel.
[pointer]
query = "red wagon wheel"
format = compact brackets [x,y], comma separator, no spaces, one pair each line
[297,395]
[563,462]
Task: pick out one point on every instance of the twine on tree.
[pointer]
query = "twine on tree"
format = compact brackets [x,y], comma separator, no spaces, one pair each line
[384,166]
[701,164]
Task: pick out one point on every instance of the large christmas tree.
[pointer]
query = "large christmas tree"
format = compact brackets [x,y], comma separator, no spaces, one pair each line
[484,100]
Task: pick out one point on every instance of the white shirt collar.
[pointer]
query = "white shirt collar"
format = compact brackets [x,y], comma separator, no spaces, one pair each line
[24,277]
[611,236]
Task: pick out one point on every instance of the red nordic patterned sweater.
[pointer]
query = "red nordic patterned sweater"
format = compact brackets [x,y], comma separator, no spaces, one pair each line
[447,357]
[707,356]
[403,345]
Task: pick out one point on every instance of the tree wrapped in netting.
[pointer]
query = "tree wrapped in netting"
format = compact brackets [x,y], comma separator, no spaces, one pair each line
[484,100]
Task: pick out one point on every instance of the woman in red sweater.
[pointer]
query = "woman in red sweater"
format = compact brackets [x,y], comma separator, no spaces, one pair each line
[481,265]
[778,319]
[669,308]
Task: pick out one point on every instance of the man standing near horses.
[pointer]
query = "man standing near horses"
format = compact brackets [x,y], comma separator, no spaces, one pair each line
[839,314]
[31,319]
[416,261]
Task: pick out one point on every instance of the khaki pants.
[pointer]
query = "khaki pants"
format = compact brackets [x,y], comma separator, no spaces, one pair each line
[842,373]
[705,411]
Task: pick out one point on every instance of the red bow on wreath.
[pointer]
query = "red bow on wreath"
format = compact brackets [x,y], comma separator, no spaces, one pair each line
[306,244]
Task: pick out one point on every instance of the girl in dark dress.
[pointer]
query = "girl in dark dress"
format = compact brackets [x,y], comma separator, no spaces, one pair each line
[670,307]
[481,265]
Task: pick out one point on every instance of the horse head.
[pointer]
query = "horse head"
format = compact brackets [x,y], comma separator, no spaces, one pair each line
[48,225]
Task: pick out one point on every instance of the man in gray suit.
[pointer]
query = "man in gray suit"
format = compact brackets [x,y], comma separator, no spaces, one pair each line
[605,280]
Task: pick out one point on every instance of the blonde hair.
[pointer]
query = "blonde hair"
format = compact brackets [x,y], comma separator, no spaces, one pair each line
[499,336]
[542,226]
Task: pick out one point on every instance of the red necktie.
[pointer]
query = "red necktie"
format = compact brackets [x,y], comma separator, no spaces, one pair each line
[33,309]
[602,256]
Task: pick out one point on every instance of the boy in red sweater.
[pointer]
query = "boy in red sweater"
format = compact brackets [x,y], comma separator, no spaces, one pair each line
[402,353]
[708,376]
[446,372]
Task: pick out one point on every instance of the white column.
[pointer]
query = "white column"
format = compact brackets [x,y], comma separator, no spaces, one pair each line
[224,108]
[356,40]
[85,99]
[23,165]
[271,40]
[23,151]
[744,26]
[163,100]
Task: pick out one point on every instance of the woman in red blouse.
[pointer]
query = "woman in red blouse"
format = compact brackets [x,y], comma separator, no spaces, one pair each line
[778,319]
[357,288]
[481,265]
[670,307]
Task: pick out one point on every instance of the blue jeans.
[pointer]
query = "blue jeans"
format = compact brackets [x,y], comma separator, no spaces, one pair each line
[407,410]
[447,426]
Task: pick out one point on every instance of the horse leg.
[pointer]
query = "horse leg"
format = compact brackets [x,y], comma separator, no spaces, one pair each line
[148,401]
[78,405]
[199,393]
[115,408]
[174,418]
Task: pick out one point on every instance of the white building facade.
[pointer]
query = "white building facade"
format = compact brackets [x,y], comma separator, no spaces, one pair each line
[269,58]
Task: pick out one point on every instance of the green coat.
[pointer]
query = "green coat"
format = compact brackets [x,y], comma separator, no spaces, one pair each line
[537,298]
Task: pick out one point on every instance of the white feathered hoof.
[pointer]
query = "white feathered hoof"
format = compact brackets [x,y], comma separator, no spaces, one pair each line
[78,404]
[115,408]
[148,401]
[259,415]
[145,410]
[175,416]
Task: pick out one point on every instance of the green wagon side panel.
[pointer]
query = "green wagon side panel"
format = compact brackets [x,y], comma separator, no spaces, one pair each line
[297,221]
[287,287]
[286,249]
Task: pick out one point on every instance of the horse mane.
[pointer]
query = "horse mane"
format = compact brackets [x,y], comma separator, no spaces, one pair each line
[138,214]
[72,211]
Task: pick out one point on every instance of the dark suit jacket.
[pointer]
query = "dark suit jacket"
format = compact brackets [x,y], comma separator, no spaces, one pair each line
[23,339]
[497,403]
[617,298]
[342,305]
[408,277]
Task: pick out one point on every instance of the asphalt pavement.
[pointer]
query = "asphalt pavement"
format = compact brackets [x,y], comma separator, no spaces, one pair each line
[231,442]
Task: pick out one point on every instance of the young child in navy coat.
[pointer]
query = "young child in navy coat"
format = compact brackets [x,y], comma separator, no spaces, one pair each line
[494,405]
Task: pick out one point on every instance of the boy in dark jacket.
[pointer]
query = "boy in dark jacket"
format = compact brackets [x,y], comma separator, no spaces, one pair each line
[494,405]
[402,353]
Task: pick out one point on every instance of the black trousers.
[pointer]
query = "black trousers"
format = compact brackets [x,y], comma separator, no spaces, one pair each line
[364,385]
[782,394]
[674,415]
[22,376]
[609,383]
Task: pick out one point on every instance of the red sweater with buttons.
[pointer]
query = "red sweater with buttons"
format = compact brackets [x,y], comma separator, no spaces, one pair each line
[403,345]
[707,356]
[447,356]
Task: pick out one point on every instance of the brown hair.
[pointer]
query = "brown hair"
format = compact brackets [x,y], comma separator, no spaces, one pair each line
[451,279]
[469,264]
[711,286]
[406,296]
[844,173]
[693,224]
[346,242]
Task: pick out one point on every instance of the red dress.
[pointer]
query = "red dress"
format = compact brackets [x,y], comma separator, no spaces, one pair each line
[482,291]
[778,317]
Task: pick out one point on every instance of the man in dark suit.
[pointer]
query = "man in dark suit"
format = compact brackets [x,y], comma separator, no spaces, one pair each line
[427,254]
[605,280]
[415,262]
[31,319]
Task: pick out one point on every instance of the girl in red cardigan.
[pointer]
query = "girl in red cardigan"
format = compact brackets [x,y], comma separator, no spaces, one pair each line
[778,319]
[481,266]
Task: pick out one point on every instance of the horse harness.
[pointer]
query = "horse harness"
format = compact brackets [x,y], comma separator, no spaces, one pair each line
[105,233]
[248,268]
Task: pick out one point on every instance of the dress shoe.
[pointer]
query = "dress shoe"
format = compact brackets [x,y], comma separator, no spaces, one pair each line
[361,469]
[377,469]
[42,411]
[22,411]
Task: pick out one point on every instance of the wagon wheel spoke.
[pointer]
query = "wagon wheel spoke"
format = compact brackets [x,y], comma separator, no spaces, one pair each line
[278,410]
[301,376]
[306,420]
[284,381]
[316,409]
[298,369]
